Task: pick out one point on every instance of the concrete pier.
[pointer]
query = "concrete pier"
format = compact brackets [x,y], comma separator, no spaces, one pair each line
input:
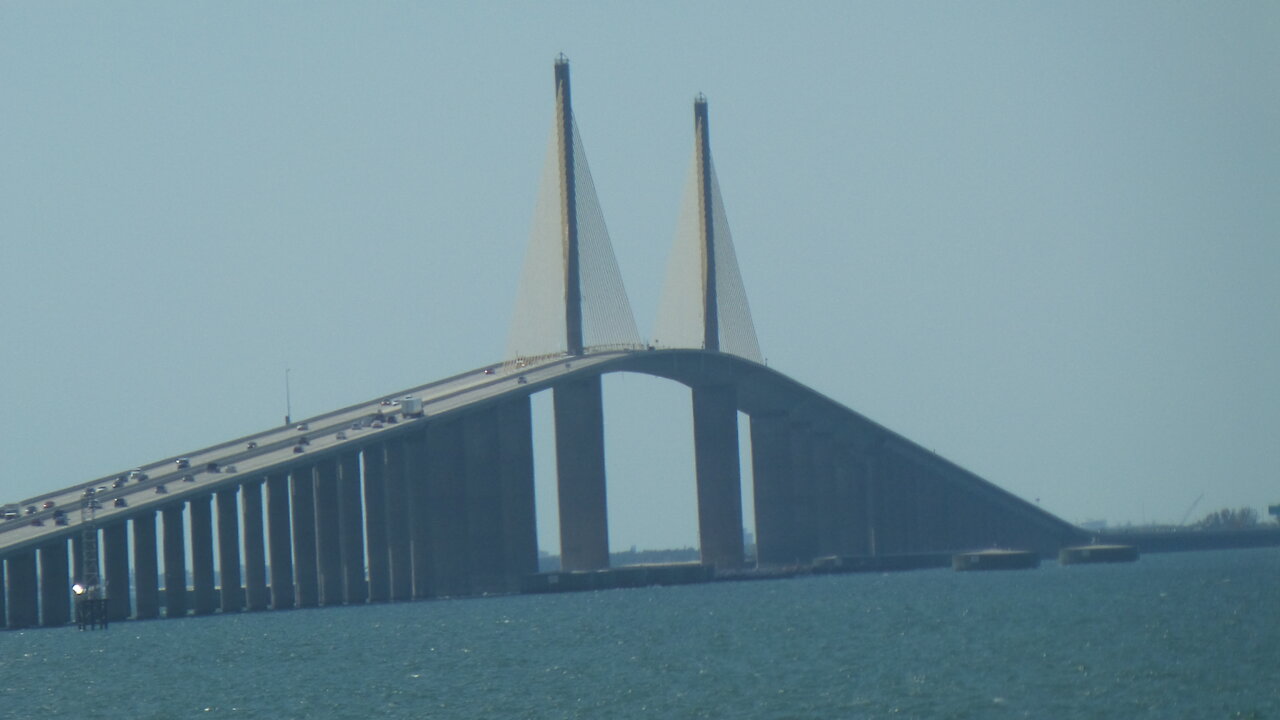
[715,444]
[399,531]
[803,502]
[482,494]
[280,542]
[584,524]
[146,568]
[115,569]
[55,584]
[375,521]
[445,511]
[351,529]
[205,597]
[20,569]
[519,516]
[771,470]
[255,563]
[230,595]
[417,471]
[175,561]
[305,567]
[328,533]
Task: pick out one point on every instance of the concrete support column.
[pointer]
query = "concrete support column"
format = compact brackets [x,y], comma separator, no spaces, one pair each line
[351,534]
[399,541]
[584,516]
[328,545]
[446,511]
[803,501]
[175,561]
[255,563]
[482,488]
[280,539]
[305,568]
[146,569]
[231,597]
[23,606]
[375,522]
[853,519]
[201,508]
[715,447]
[115,568]
[519,514]
[823,507]
[771,470]
[417,470]
[55,584]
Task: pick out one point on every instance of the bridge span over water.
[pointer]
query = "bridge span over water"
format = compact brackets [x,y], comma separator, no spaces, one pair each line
[370,510]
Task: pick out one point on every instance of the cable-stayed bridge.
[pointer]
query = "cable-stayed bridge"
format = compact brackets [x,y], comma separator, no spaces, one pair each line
[379,502]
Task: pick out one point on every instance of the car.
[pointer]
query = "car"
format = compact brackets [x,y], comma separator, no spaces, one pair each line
[298,449]
[183,463]
[137,475]
[37,522]
[303,427]
[48,504]
[376,425]
[31,509]
[88,492]
[120,502]
[10,513]
[391,420]
[304,440]
[188,478]
[387,402]
[118,483]
[59,518]
[211,467]
[161,489]
[229,469]
[341,435]
[251,446]
[356,425]
[521,380]
[488,371]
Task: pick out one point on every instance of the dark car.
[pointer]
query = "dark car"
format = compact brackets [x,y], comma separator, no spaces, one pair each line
[183,463]
[118,483]
[211,467]
[488,371]
[161,490]
[120,502]
[59,517]
[188,478]
[48,504]
[252,445]
[31,509]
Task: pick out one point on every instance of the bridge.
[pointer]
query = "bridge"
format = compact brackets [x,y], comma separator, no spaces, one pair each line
[378,502]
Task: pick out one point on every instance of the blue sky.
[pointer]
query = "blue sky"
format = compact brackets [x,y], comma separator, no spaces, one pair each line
[1040,239]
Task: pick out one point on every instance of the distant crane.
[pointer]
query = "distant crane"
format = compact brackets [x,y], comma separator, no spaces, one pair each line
[1187,514]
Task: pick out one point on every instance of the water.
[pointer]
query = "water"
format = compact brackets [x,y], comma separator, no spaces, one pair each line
[1190,635]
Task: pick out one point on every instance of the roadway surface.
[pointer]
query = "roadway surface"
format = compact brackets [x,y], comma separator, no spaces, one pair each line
[274,449]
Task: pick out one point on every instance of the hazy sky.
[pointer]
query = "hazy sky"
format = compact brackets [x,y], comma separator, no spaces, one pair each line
[1038,238]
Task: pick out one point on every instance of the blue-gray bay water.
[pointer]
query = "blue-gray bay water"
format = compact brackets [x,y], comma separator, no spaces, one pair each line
[1190,635]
